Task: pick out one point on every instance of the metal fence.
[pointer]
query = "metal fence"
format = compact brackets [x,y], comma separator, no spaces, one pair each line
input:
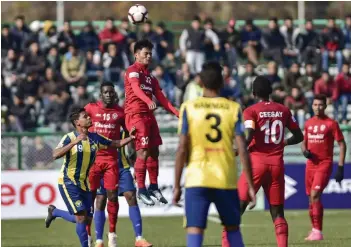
[26,151]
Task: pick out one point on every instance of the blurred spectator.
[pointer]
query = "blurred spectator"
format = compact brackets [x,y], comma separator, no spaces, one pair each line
[114,62]
[80,99]
[272,74]
[273,42]
[347,35]
[165,82]
[164,41]
[230,40]
[246,81]
[34,59]
[66,37]
[39,155]
[278,94]
[231,89]
[250,41]
[193,89]
[343,84]
[94,68]
[310,46]
[51,83]
[326,85]
[21,33]
[212,52]
[88,39]
[10,68]
[48,37]
[292,37]
[73,66]
[291,77]
[148,33]
[297,103]
[30,85]
[184,77]
[170,64]
[22,117]
[57,108]
[192,44]
[306,84]
[333,42]
[110,34]
[8,40]
[53,59]
[130,35]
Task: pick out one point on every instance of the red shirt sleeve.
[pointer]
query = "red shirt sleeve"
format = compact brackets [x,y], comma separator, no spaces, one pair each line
[133,78]
[291,122]
[163,100]
[337,133]
[249,118]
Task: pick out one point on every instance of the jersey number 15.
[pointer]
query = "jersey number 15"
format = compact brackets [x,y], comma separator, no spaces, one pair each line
[270,131]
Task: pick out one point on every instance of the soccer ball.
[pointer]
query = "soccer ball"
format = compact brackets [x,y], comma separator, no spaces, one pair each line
[137,14]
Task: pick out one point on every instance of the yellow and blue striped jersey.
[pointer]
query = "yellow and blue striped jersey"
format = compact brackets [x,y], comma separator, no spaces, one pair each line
[211,125]
[123,161]
[79,159]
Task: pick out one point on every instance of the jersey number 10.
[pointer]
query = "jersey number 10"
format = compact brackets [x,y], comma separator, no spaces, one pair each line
[270,131]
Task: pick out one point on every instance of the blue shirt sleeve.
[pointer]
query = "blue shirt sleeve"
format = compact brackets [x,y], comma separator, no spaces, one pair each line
[185,126]
[102,141]
[64,141]
[239,126]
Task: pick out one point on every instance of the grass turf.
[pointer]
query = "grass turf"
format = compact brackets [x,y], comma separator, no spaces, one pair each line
[257,230]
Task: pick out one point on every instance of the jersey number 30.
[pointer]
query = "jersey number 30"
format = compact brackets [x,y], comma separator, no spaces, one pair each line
[218,136]
[270,131]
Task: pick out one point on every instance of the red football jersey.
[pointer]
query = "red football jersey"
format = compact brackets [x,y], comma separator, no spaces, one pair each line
[107,122]
[269,120]
[320,134]
[140,75]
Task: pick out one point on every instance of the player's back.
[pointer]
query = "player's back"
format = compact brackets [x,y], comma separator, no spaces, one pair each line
[210,124]
[269,120]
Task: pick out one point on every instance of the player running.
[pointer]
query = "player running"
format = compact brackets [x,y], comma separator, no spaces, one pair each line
[265,123]
[140,86]
[126,187]
[211,172]
[79,149]
[318,145]
[107,118]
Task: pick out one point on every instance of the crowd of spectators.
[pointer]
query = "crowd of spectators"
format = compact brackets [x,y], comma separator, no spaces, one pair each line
[45,71]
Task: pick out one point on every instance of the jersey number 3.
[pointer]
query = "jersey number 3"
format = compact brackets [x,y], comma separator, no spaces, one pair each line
[217,122]
[270,131]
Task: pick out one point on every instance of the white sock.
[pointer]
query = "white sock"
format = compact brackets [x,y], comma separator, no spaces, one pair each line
[139,237]
[316,230]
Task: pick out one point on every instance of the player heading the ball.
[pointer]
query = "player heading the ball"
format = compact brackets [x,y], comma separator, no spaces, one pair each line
[211,173]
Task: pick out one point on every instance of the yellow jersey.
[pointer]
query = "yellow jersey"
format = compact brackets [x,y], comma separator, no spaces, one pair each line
[211,125]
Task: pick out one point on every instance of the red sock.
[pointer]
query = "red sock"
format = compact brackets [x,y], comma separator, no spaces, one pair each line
[152,169]
[225,242]
[317,215]
[88,228]
[140,172]
[311,214]
[281,232]
[112,209]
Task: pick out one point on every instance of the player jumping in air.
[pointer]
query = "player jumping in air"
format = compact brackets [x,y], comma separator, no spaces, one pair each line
[107,118]
[265,123]
[79,149]
[140,86]
[318,145]
[211,172]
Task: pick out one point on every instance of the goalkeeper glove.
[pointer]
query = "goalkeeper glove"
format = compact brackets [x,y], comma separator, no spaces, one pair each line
[339,176]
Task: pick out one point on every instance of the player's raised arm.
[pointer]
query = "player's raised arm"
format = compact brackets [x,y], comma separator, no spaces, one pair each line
[133,77]
[65,145]
[164,101]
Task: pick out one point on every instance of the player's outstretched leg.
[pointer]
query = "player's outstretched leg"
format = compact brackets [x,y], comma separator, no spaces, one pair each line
[152,168]
[100,219]
[316,215]
[281,226]
[54,212]
[112,210]
[140,175]
[81,224]
[135,218]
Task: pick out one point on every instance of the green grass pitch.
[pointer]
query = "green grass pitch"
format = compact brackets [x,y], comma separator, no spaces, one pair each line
[257,230]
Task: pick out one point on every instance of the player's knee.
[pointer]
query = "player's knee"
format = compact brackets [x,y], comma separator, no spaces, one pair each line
[112,196]
[143,154]
[130,198]
[81,217]
[277,211]
[154,152]
[101,202]
[195,230]
[315,196]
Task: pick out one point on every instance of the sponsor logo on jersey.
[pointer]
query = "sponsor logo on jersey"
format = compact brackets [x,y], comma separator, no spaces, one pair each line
[316,136]
[144,87]
[133,75]
[271,114]
[106,126]
[322,127]
[78,203]
[114,116]
[148,80]
[98,115]
[309,127]
[289,187]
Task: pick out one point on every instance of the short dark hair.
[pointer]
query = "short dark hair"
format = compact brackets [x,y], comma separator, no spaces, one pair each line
[321,97]
[7,26]
[196,18]
[332,18]
[74,115]
[249,22]
[20,17]
[288,18]
[144,43]
[275,19]
[348,16]
[106,84]
[262,87]
[110,19]
[211,75]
